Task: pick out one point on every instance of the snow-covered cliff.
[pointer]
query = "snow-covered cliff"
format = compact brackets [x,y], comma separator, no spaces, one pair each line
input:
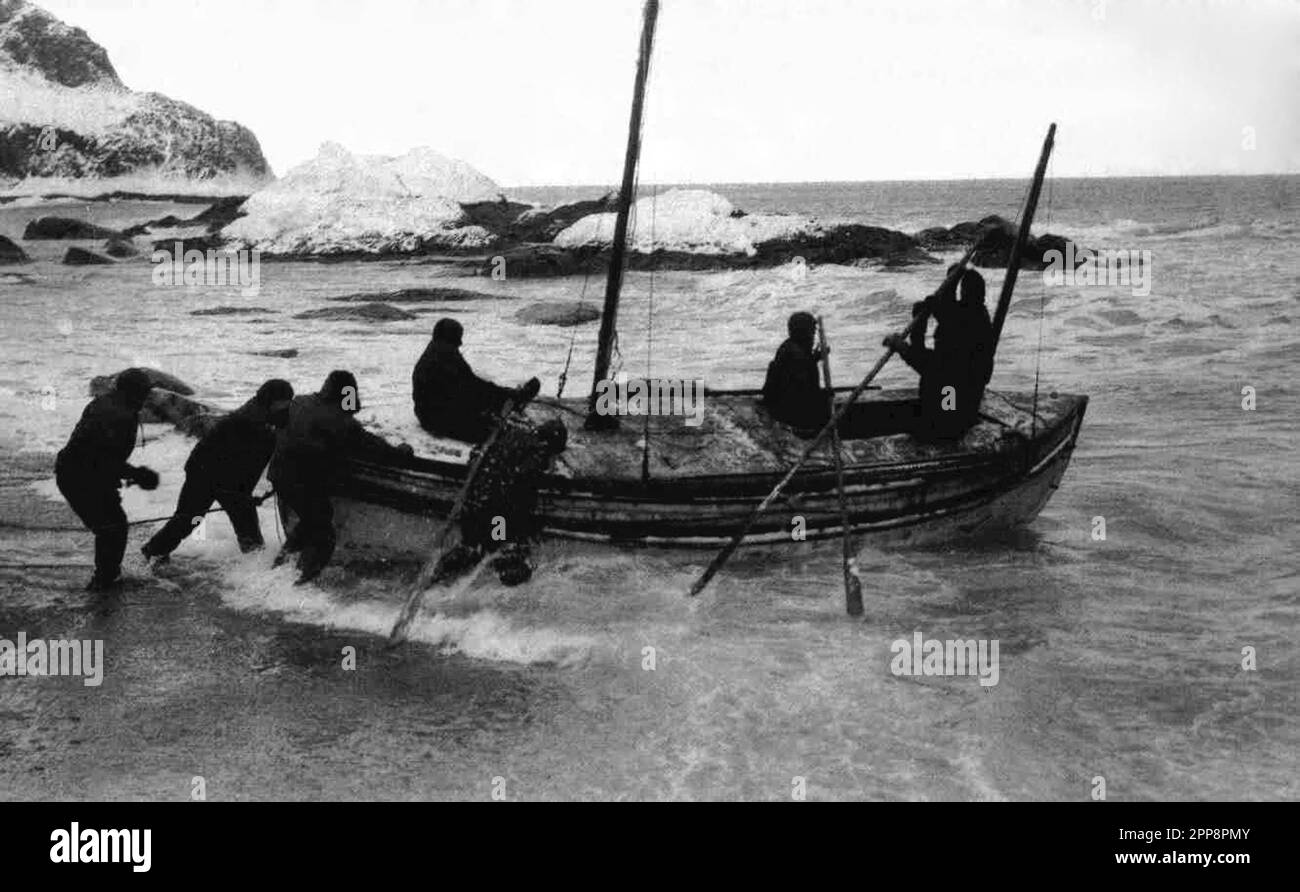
[68,123]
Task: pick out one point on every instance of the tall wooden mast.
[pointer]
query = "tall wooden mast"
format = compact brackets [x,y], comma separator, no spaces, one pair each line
[1022,237]
[609,319]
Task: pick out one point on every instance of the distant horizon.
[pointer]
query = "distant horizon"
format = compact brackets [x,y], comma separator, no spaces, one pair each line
[1008,179]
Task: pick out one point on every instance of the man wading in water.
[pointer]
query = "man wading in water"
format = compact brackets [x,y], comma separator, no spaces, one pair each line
[224,468]
[311,454]
[90,470]
[499,517]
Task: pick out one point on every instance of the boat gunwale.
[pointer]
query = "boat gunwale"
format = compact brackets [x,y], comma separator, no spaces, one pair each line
[741,486]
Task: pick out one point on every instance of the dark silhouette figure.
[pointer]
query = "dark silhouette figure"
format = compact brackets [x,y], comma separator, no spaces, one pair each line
[792,391]
[225,467]
[955,372]
[90,469]
[311,455]
[500,515]
[450,400]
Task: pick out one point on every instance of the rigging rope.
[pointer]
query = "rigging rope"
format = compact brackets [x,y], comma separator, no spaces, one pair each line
[1042,310]
[650,341]
[582,302]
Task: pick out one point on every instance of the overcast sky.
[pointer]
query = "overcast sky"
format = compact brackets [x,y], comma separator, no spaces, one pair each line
[741,90]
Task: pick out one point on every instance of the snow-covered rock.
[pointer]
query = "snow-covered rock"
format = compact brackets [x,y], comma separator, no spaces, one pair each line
[340,203]
[68,123]
[690,221]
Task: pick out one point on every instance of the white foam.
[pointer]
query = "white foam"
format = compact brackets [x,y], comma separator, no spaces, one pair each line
[483,634]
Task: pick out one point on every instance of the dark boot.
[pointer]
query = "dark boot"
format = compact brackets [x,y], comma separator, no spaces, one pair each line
[513,565]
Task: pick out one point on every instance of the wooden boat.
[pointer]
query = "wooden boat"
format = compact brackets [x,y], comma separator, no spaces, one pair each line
[669,484]
[706,480]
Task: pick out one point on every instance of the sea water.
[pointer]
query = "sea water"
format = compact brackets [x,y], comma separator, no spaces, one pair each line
[1160,656]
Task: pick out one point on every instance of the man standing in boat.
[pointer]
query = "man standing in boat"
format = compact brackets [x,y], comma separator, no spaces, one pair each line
[224,468]
[452,401]
[955,372]
[792,391]
[310,455]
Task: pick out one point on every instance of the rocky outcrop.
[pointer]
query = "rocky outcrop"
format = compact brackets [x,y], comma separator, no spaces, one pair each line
[995,238]
[844,243]
[55,228]
[68,115]
[514,224]
[222,212]
[82,257]
[32,38]
[11,253]
[233,311]
[179,247]
[370,312]
[121,248]
[417,296]
[562,314]
[161,380]
[170,402]
[838,243]
[542,261]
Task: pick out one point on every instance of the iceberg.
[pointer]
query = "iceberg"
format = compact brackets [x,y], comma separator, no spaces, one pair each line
[691,221]
[341,203]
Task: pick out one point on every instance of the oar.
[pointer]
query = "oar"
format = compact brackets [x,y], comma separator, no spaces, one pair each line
[427,573]
[730,548]
[852,584]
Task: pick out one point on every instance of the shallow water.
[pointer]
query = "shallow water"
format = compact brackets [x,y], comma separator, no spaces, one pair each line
[1119,658]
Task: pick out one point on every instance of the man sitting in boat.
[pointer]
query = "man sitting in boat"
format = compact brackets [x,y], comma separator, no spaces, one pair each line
[792,391]
[450,400]
[958,368]
[309,459]
[500,508]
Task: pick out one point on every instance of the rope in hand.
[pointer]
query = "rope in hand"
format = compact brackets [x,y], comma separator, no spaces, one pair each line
[257,501]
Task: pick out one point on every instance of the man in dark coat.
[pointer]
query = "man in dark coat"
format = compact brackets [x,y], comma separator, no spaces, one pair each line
[225,467]
[91,467]
[792,391]
[958,368]
[311,453]
[500,514]
[450,400]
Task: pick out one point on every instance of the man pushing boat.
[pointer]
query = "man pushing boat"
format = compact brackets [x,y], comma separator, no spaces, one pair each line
[224,468]
[499,517]
[310,456]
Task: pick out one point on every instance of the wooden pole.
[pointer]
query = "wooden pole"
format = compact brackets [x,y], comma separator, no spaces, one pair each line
[852,583]
[614,284]
[1022,237]
[427,572]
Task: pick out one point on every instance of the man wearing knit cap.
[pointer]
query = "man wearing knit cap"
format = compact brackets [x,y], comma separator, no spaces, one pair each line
[90,470]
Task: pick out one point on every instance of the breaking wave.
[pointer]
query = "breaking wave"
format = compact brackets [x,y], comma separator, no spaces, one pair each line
[483,634]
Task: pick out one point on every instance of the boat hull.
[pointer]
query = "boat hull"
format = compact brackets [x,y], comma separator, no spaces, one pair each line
[924,496]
